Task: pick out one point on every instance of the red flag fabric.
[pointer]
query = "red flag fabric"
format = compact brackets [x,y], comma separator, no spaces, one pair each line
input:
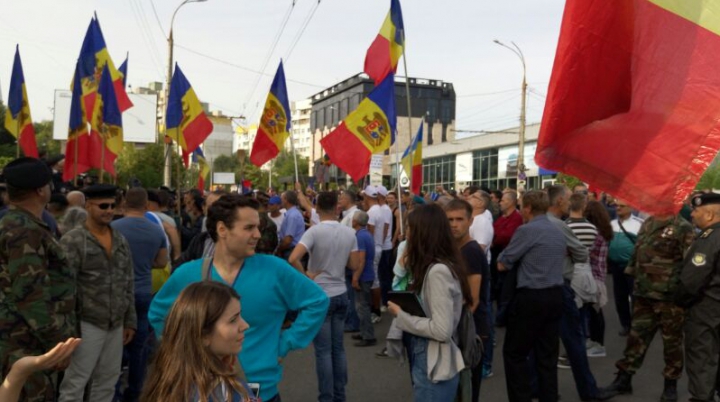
[634,100]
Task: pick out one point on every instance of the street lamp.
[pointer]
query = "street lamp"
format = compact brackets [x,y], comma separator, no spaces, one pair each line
[521,143]
[168,153]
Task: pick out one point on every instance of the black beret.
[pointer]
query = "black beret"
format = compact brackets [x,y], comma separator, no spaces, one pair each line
[705,199]
[100,191]
[59,199]
[27,173]
[153,196]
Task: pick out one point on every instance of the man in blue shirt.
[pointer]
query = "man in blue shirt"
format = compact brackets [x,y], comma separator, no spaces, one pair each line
[293,226]
[148,247]
[269,288]
[362,280]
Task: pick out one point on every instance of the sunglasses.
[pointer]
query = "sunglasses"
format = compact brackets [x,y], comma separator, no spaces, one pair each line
[106,205]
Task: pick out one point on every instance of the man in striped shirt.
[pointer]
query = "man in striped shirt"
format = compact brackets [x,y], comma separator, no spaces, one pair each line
[585,231]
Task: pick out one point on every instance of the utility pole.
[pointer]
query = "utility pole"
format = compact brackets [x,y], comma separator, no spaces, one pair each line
[521,178]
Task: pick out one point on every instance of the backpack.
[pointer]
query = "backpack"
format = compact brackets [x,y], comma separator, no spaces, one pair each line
[467,339]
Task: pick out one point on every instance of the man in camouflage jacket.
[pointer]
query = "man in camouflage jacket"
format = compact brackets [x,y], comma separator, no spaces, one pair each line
[37,288]
[656,264]
[102,260]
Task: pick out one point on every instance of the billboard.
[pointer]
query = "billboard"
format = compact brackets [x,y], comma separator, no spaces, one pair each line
[508,161]
[139,122]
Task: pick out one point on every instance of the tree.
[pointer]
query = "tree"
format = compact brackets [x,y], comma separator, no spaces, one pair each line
[44,139]
[147,166]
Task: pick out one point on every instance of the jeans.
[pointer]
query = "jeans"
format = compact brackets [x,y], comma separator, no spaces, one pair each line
[622,292]
[425,390]
[352,321]
[385,272]
[330,361]
[363,300]
[137,349]
[573,338]
[595,323]
[489,343]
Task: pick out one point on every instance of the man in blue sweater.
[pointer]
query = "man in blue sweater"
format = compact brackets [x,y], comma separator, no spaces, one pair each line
[269,288]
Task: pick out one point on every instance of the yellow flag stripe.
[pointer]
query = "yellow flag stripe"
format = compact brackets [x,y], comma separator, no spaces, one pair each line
[705,13]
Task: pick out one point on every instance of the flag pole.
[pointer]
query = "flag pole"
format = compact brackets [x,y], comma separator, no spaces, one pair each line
[17,143]
[410,134]
[292,145]
[102,154]
[270,177]
[177,180]
[75,160]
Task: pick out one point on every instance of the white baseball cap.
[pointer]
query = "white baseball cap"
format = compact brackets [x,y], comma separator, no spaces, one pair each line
[371,191]
[382,190]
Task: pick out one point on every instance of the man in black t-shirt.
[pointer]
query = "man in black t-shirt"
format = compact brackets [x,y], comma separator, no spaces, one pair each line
[459,213]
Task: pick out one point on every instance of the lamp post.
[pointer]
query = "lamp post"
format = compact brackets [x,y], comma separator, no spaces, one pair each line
[521,142]
[168,151]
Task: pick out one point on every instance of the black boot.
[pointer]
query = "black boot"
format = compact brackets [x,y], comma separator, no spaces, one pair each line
[670,392]
[622,383]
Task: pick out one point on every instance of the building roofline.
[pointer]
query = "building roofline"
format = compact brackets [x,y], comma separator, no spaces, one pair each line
[361,78]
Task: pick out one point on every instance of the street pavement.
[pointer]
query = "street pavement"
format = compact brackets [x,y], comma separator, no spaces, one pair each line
[384,380]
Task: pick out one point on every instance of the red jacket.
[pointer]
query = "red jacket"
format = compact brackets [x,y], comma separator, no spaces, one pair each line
[505,227]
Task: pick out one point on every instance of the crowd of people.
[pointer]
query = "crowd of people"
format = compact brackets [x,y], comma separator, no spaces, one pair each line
[120,295]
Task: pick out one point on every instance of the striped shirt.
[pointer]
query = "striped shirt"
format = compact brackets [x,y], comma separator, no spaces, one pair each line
[585,231]
[537,250]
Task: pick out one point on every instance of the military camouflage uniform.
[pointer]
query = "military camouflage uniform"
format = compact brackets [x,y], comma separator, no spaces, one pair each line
[37,297]
[268,235]
[656,264]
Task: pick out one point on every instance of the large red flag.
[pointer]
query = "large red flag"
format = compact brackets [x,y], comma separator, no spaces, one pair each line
[634,99]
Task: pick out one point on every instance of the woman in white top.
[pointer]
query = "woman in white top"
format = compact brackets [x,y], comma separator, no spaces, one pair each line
[439,280]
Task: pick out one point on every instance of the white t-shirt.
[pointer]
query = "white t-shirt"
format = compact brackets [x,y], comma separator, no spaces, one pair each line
[377,219]
[278,220]
[632,225]
[329,244]
[481,230]
[314,217]
[387,214]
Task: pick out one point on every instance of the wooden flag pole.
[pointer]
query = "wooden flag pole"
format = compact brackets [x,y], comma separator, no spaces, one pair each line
[17,143]
[177,180]
[292,146]
[75,160]
[410,134]
[102,154]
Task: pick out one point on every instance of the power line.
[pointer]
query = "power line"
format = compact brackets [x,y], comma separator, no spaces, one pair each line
[494,105]
[487,93]
[148,31]
[148,46]
[152,4]
[302,30]
[269,53]
[240,67]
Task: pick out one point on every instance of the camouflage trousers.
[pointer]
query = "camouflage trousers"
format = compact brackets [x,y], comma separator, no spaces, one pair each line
[648,316]
[40,386]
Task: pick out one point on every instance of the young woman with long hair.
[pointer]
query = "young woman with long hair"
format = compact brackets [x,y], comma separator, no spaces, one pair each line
[440,281]
[197,358]
[596,214]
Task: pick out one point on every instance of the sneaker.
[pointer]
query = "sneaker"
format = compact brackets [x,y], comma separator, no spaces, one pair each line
[375,318]
[589,344]
[383,309]
[382,354]
[596,351]
[366,342]
[563,362]
[357,337]
[486,372]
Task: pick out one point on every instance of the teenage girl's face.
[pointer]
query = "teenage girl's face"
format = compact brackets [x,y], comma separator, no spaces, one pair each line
[229,332]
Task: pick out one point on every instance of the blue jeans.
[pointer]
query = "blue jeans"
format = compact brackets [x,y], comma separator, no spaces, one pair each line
[330,361]
[572,335]
[352,320]
[137,349]
[363,298]
[423,389]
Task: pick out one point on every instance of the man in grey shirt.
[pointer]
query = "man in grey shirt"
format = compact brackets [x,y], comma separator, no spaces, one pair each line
[332,247]
[571,324]
[535,258]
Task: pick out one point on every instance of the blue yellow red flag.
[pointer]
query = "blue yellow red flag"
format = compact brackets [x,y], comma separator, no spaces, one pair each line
[185,120]
[77,149]
[93,58]
[275,122]
[107,122]
[412,161]
[17,118]
[123,70]
[204,167]
[384,53]
[367,130]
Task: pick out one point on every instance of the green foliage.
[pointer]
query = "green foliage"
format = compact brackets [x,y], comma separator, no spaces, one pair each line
[44,138]
[710,179]
[147,165]
[569,181]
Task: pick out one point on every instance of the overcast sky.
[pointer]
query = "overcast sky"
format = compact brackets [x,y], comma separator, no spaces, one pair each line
[449,40]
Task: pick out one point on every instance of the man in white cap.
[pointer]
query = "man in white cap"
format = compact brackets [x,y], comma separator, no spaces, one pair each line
[376,226]
[385,267]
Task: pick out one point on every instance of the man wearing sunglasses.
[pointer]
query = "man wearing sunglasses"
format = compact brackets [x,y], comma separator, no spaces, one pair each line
[101,257]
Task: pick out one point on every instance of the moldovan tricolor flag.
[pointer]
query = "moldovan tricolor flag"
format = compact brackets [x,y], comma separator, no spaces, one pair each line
[186,120]
[204,168]
[367,130]
[107,124]
[78,139]
[275,122]
[123,70]
[93,58]
[17,117]
[412,162]
[383,55]
[633,106]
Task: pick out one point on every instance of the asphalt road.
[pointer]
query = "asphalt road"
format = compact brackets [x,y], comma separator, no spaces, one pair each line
[384,380]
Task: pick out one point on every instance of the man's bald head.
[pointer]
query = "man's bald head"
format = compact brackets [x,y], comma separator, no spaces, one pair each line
[76,199]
